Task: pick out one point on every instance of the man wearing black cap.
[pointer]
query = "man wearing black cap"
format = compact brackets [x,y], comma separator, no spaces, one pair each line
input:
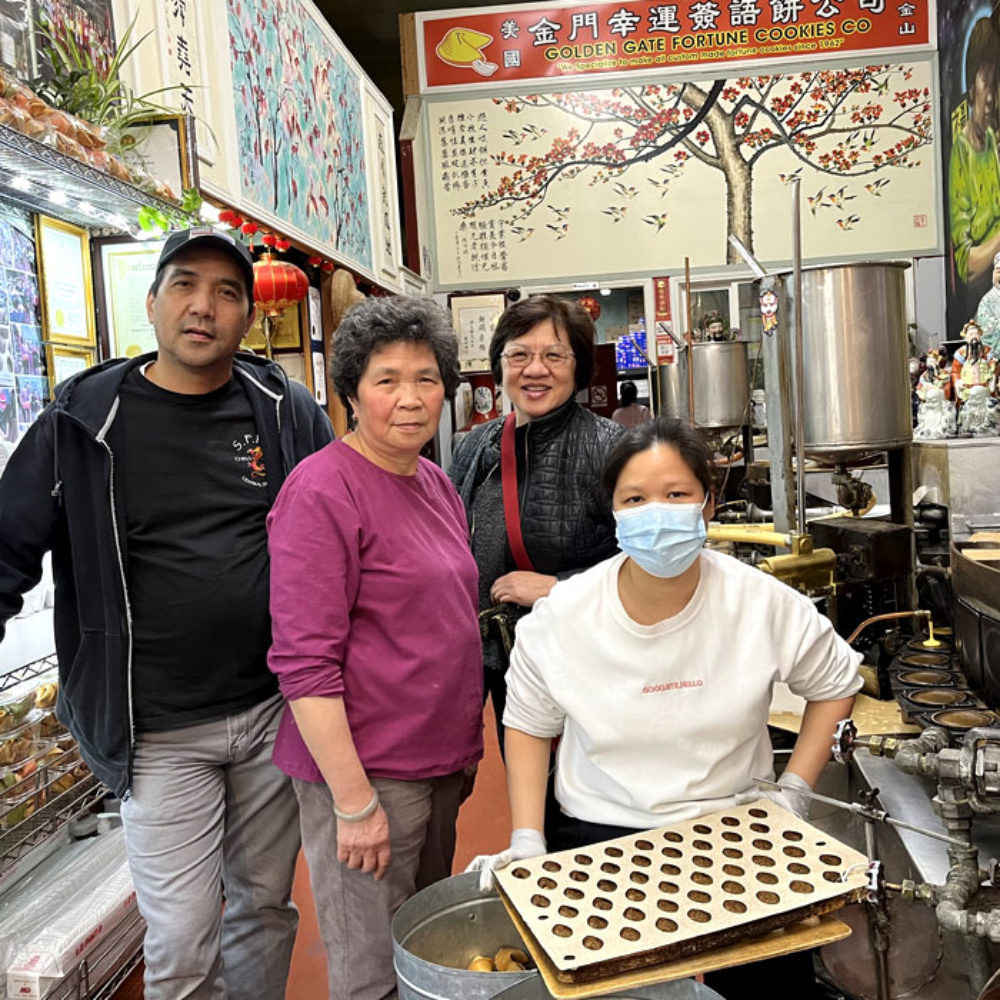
[150,481]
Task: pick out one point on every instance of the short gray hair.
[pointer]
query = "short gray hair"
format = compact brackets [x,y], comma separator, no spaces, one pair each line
[370,325]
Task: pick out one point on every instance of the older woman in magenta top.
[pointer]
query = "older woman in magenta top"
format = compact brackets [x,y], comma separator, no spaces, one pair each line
[376,640]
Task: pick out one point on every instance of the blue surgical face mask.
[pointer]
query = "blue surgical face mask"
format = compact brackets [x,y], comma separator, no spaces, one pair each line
[663,538]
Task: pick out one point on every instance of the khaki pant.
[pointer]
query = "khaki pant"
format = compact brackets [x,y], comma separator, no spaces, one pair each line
[354,911]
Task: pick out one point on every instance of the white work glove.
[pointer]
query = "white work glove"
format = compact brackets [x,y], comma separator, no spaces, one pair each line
[789,796]
[524,843]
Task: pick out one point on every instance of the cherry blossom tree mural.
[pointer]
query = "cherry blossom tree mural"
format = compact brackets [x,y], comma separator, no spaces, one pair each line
[847,132]
[300,124]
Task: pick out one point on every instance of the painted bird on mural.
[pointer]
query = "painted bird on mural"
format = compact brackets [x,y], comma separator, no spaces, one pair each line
[849,223]
[838,198]
[656,220]
[816,200]
[661,186]
[625,191]
[523,232]
[617,212]
[876,186]
[560,230]
[560,213]
[788,178]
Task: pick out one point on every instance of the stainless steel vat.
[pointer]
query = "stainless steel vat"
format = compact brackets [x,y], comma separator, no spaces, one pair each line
[437,932]
[856,382]
[721,385]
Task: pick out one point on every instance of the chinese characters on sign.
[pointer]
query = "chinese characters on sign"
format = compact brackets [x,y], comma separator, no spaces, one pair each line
[480,246]
[526,43]
[182,52]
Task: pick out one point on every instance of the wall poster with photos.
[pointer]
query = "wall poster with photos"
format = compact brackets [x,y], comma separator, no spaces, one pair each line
[24,386]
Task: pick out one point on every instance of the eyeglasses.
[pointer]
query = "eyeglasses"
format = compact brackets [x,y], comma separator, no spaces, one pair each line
[552,357]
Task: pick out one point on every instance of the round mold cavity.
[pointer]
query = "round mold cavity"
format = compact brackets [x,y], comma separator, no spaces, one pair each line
[634,914]
[561,930]
[699,916]
[640,878]
[569,912]
[928,677]
[921,646]
[667,905]
[583,859]
[540,901]
[630,934]
[521,873]
[670,887]
[635,895]
[578,876]
[641,860]
[937,697]
[552,866]
[610,869]
[735,906]
[962,718]
[800,885]
[666,925]
[733,888]
[593,943]
[925,658]
[770,898]
[614,852]
[606,885]
[600,903]
[546,883]
[572,893]
[670,869]
[598,923]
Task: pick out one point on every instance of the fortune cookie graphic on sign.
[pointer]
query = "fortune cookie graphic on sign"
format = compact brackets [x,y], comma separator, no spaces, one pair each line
[463,47]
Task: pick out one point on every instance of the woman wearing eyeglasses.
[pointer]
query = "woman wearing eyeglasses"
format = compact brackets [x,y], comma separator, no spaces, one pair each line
[553,522]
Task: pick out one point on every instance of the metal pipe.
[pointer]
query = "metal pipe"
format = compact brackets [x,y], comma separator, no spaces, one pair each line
[690,359]
[800,460]
[886,617]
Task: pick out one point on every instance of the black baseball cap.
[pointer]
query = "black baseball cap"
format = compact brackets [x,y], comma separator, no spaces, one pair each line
[208,236]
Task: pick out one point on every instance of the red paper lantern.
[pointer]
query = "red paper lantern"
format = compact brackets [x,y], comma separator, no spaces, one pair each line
[277,285]
[282,244]
[269,239]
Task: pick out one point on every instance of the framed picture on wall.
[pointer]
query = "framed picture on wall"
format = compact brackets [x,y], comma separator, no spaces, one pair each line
[286,331]
[165,147]
[65,285]
[385,228]
[65,361]
[474,318]
[128,270]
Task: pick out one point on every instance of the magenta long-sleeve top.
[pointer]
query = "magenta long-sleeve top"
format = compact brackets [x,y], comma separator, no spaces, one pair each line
[374,600]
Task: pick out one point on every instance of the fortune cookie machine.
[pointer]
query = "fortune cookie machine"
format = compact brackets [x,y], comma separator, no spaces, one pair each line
[899,544]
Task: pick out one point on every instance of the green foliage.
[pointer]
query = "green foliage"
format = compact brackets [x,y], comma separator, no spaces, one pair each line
[92,88]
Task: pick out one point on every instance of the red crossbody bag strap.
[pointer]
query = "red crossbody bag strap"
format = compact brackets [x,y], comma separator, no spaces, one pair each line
[511,504]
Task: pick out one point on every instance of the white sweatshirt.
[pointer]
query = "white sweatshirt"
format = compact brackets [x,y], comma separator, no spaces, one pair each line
[664,722]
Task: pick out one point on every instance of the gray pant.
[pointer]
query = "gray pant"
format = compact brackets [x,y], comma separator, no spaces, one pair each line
[354,911]
[209,813]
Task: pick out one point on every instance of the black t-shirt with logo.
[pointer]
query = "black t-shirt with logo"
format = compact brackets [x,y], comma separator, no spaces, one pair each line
[192,475]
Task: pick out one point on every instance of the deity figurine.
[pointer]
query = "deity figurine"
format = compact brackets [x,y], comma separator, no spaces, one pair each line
[973,363]
[988,313]
[935,415]
[980,414]
[934,374]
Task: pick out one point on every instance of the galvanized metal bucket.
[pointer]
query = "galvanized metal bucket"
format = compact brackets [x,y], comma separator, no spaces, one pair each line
[437,933]
[680,989]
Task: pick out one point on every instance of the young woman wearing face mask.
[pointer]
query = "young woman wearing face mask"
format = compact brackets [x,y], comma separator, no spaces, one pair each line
[655,668]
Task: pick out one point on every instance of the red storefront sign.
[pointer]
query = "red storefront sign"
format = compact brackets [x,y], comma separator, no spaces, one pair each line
[461,48]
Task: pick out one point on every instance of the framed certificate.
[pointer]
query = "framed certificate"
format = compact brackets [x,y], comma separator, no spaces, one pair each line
[475,318]
[65,361]
[128,270]
[65,285]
